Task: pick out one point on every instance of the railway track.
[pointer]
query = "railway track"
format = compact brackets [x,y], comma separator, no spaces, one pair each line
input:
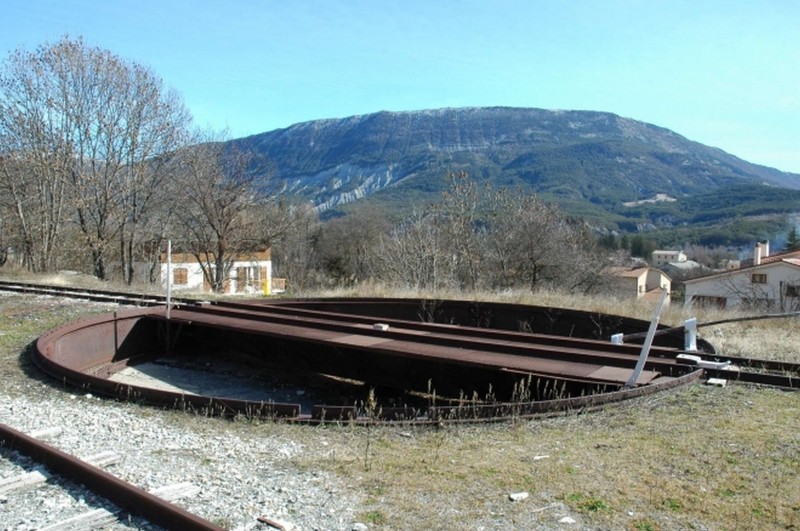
[538,354]
[154,506]
[365,340]
[91,294]
[566,355]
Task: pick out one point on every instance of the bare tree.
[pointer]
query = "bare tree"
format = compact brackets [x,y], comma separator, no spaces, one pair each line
[440,247]
[522,241]
[414,254]
[3,242]
[489,239]
[783,296]
[93,127]
[143,238]
[459,210]
[146,188]
[218,216]
[533,244]
[31,167]
[294,253]
[345,245]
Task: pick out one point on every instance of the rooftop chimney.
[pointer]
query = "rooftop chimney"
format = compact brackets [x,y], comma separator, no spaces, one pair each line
[761,252]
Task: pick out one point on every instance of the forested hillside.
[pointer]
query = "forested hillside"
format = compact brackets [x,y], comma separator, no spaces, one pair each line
[590,163]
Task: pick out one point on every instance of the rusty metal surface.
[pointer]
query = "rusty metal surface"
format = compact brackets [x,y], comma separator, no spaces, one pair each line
[274,311]
[86,352]
[367,338]
[567,358]
[123,494]
[61,354]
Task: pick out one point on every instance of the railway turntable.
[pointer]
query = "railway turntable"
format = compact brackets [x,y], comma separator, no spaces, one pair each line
[363,360]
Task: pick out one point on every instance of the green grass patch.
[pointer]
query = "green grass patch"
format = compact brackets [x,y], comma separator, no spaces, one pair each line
[374,518]
[672,504]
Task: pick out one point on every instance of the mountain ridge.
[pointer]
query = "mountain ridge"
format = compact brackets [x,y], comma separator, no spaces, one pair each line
[571,157]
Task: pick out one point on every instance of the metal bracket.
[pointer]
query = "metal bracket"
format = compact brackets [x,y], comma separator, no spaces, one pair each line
[648,342]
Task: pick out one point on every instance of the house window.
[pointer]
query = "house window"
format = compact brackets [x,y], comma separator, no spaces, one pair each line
[792,290]
[180,276]
[758,278]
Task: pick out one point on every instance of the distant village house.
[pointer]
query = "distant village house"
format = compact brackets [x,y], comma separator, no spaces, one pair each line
[662,257]
[646,283]
[765,281]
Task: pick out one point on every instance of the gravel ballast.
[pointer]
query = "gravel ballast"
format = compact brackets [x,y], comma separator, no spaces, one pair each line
[240,476]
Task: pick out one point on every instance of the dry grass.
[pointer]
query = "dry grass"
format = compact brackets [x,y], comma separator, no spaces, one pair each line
[698,458]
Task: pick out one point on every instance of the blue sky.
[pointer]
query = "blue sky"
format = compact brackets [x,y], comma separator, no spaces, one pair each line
[725,73]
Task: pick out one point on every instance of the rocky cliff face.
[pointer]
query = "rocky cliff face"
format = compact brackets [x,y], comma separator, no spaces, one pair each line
[597,157]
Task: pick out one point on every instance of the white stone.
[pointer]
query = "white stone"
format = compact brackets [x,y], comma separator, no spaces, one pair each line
[567,520]
[518,496]
[176,492]
[46,433]
[275,523]
[103,459]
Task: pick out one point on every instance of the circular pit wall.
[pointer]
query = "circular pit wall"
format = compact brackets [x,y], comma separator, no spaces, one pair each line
[138,355]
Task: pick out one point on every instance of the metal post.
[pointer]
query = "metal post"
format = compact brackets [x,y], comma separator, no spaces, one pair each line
[690,334]
[169,276]
[169,295]
[648,342]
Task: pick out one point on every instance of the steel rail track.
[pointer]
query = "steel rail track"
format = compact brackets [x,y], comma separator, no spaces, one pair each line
[498,349]
[574,350]
[91,294]
[273,310]
[764,375]
[769,372]
[125,495]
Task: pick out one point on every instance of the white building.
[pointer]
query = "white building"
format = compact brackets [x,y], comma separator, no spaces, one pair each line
[251,273]
[770,282]
[662,257]
[643,283]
